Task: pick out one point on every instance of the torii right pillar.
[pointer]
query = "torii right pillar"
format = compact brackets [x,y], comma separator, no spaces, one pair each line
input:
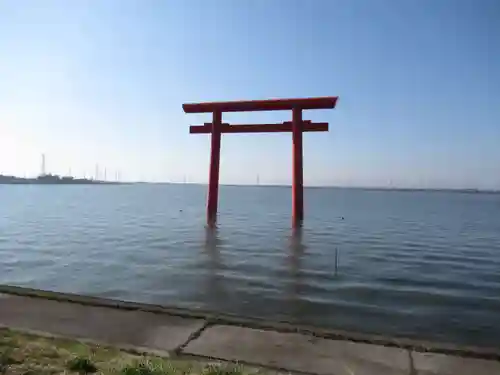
[298,169]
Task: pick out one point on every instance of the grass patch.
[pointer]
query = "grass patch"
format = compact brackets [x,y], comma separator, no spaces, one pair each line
[82,365]
[222,369]
[149,368]
[7,359]
[26,354]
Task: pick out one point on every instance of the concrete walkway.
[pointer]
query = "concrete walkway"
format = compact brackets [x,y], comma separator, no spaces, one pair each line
[165,334]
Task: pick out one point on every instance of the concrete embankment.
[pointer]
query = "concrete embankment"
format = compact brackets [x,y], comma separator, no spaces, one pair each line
[181,332]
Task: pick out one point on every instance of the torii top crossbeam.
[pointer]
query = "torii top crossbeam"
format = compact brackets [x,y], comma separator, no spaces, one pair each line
[297,126]
[326,102]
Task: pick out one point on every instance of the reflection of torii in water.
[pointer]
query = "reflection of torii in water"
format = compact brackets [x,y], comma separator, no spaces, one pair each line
[214,288]
[217,294]
[294,260]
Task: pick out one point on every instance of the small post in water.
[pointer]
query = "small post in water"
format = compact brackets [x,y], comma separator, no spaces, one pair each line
[336,260]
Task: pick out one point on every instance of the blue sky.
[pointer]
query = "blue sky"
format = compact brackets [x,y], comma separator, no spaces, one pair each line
[103,82]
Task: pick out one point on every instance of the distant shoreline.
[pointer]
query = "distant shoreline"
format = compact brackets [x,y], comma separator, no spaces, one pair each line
[50,179]
[56,180]
[368,188]
[65,183]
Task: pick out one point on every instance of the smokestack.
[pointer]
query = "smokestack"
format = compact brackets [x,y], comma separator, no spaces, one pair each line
[42,171]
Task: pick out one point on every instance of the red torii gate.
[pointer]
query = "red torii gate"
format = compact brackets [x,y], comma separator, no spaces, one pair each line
[296,126]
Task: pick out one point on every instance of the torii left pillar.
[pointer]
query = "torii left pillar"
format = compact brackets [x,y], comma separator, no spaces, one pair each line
[213,178]
[297,126]
[298,169]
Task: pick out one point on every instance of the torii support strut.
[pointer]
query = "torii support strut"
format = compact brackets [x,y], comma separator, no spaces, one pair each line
[297,126]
